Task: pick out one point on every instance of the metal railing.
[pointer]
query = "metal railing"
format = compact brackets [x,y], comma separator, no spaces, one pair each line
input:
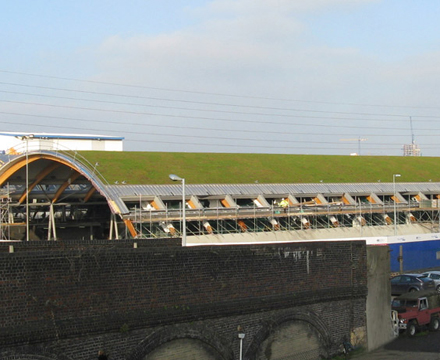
[275,218]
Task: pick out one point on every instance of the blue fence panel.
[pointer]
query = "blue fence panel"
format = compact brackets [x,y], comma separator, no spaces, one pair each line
[416,255]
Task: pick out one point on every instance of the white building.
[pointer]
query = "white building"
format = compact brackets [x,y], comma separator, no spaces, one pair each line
[411,150]
[17,142]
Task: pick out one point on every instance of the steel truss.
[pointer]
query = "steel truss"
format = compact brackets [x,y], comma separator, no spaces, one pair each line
[4,215]
[151,224]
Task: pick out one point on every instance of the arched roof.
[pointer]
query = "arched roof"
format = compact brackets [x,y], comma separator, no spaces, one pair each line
[54,177]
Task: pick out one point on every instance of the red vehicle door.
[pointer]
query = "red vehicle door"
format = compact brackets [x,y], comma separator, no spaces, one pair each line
[424,316]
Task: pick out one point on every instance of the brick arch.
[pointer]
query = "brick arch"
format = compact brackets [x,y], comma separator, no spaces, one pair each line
[269,327]
[178,332]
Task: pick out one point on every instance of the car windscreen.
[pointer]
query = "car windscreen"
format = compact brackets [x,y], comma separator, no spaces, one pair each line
[397,303]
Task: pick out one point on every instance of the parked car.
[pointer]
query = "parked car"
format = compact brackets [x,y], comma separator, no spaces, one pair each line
[416,310]
[434,275]
[404,283]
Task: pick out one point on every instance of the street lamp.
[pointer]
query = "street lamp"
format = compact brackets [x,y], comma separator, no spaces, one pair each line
[178,178]
[241,337]
[395,201]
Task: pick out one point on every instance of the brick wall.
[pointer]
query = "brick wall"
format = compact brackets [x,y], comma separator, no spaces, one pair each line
[61,294]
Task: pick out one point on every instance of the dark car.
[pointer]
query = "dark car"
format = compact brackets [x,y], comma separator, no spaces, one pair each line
[410,282]
[434,275]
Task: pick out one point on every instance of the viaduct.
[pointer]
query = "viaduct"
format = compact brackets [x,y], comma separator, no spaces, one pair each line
[158,300]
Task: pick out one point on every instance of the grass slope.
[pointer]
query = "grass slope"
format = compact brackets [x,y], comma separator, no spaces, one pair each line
[214,168]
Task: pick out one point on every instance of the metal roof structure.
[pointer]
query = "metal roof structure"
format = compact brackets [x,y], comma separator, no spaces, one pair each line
[52,191]
[207,190]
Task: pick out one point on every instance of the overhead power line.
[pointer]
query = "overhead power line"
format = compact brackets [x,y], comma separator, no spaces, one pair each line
[191,116]
[211,110]
[131,123]
[135,86]
[259,107]
[249,126]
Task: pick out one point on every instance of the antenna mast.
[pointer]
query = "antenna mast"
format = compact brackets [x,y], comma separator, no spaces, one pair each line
[411,149]
[412,131]
[359,139]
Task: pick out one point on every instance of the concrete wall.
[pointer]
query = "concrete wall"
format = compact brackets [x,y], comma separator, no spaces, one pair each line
[311,235]
[379,297]
[68,299]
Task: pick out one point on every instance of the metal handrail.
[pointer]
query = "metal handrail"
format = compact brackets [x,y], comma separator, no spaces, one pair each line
[245,212]
[58,151]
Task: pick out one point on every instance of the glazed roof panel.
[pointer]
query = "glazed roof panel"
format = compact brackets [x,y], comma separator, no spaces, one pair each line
[269,189]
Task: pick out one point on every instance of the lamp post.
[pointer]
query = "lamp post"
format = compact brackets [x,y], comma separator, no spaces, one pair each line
[395,201]
[241,337]
[174,177]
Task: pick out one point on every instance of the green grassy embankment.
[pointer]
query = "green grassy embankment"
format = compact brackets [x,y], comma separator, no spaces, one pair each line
[214,168]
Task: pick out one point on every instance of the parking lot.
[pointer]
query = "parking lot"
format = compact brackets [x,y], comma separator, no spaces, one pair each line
[424,346]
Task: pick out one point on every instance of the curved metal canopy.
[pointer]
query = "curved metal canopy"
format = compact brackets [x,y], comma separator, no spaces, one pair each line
[53,177]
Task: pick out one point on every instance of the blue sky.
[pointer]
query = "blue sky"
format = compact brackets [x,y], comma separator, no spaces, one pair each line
[279,76]
[390,30]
